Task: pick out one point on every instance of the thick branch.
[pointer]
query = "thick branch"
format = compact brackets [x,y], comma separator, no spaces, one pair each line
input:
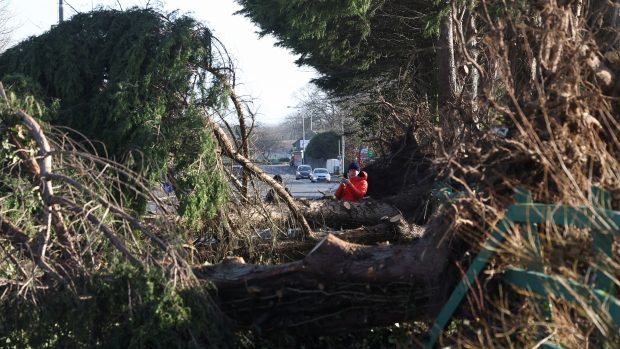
[39,170]
[245,150]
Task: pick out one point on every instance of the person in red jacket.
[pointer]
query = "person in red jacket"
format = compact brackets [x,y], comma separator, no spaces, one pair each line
[355,186]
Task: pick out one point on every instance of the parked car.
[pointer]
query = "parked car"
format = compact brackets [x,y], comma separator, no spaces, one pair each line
[319,175]
[303,171]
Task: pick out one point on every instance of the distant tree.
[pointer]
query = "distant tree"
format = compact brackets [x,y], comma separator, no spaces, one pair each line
[323,146]
[5,28]
[265,141]
[321,111]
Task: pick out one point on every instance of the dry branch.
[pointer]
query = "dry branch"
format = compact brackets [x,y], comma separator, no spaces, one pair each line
[43,168]
[71,206]
[117,211]
[13,234]
[228,149]
[245,150]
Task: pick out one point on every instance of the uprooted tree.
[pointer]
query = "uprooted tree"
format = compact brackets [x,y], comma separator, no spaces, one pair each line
[72,240]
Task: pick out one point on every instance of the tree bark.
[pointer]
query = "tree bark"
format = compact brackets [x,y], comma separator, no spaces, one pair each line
[447,85]
[329,214]
[338,285]
[340,215]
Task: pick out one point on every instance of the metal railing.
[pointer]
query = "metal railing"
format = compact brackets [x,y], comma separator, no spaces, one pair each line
[603,224]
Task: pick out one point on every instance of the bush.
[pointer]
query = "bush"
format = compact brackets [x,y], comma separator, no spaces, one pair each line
[124,308]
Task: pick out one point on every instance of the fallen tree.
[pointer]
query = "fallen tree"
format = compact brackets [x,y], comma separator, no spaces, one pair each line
[292,248]
[337,285]
[329,213]
[342,215]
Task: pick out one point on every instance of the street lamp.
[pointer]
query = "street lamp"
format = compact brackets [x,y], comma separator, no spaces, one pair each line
[303,118]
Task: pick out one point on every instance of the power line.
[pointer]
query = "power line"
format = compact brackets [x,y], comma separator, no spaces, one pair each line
[73,8]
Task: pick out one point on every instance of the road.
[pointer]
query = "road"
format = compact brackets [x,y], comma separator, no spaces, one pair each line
[302,188]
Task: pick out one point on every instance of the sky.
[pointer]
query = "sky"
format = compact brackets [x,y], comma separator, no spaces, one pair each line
[265,73]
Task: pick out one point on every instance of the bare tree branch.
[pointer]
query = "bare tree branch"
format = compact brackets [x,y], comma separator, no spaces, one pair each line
[228,149]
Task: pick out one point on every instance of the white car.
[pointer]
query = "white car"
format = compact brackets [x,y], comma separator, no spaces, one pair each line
[320,175]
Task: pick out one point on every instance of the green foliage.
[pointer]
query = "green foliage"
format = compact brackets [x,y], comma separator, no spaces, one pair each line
[194,168]
[390,55]
[136,81]
[18,195]
[401,335]
[356,45]
[432,21]
[334,30]
[323,146]
[121,308]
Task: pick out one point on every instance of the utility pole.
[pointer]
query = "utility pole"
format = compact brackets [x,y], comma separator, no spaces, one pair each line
[303,142]
[60,17]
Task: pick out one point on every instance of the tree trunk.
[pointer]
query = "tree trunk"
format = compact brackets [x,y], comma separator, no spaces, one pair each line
[472,45]
[289,249]
[447,85]
[445,62]
[337,286]
[340,215]
[329,213]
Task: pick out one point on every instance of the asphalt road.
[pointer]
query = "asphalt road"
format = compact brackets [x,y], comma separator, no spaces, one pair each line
[302,188]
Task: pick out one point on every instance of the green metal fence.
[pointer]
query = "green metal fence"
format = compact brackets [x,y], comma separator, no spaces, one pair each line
[603,224]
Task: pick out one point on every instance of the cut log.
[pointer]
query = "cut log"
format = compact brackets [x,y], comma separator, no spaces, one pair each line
[338,285]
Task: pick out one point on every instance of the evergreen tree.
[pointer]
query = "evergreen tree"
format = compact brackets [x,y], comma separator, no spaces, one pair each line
[137,82]
[356,45]
[323,146]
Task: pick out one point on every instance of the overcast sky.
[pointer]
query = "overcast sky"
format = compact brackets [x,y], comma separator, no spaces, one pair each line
[265,72]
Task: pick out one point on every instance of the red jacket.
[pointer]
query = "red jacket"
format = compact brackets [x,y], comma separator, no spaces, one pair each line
[355,190]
